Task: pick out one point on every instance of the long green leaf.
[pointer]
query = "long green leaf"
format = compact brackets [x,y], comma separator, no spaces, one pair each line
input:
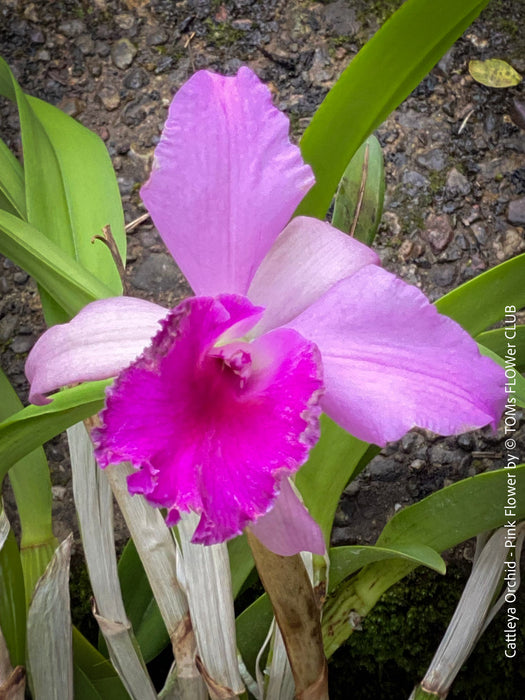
[64,279]
[500,339]
[56,152]
[252,626]
[141,608]
[91,190]
[29,479]
[71,189]
[34,425]
[12,185]
[32,490]
[377,80]
[479,303]
[344,561]
[12,596]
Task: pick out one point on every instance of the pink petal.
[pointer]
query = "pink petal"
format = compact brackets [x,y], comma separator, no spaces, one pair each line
[214,428]
[288,528]
[308,258]
[96,344]
[391,361]
[225,179]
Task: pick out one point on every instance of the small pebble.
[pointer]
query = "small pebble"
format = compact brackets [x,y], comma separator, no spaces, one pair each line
[122,53]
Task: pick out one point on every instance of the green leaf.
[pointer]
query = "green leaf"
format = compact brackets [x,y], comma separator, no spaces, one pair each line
[141,608]
[12,595]
[92,671]
[32,490]
[494,73]
[359,199]
[71,189]
[457,512]
[252,626]
[91,189]
[479,303]
[32,426]
[440,521]
[500,339]
[241,562]
[377,80]
[331,464]
[62,162]
[344,561]
[65,280]
[12,186]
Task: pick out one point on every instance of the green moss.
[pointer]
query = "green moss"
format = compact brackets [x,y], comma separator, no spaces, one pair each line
[222,34]
[400,636]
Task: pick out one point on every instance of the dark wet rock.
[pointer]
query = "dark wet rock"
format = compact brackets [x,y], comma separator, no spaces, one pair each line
[37,36]
[438,231]
[72,28]
[516,212]
[134,114]
[71,105]
[434,159]
[110,98]
[86,44]
[383,469]
[102,49]
[7,326]
[126,22]
[20,277]
[441,454]
[22,343]
[517,113]
[341,19]
[415,181]
[136,79]
[466,441]
[157,37]
[156,273]
[122,53]
[457,183]
[320,70]
[443,275]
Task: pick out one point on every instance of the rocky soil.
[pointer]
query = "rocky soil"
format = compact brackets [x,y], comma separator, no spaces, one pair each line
[454,156]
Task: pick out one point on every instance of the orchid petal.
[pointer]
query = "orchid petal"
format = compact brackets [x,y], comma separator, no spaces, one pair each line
[391,361]
[214,428]
[289,528]
[308,258]
[96,344]
[225,180]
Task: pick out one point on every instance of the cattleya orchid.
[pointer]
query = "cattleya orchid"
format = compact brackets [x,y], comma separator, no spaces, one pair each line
[217,402]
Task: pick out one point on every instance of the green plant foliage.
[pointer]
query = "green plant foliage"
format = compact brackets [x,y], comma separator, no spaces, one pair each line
[35,425]
[71,191]
[359,200]
[12,595]
[12,186]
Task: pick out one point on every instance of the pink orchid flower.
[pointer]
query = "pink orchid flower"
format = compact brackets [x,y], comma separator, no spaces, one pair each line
[289,319]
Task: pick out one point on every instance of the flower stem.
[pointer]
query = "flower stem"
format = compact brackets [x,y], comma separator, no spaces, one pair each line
[297,613]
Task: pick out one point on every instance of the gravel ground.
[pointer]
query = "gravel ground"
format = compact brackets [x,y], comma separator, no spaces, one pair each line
[454,157]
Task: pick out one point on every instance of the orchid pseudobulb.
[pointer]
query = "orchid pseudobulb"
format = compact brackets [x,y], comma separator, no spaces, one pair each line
[217,402]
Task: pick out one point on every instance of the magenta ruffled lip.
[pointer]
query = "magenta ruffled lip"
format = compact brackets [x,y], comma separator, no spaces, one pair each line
[213,430]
